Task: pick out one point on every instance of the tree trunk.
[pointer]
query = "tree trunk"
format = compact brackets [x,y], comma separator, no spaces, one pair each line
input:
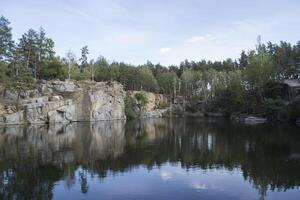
[18,100]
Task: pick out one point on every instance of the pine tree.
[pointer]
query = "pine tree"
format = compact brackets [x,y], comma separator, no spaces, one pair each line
[6,42]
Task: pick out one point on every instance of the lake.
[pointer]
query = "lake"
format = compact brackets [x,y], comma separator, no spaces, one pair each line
[150,159]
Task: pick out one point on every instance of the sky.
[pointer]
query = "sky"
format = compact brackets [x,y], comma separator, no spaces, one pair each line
[161,31]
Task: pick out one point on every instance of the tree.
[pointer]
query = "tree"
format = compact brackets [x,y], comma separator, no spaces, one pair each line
[20,83]
[106,71]
[146,79]
[54,69]
[243,60]
[71,59]
[35,50]
[260,70]
[84,59]
[27,48]
[167,82]
[188,81]
[44,51]
[3,72]
[128,76]
[6,42]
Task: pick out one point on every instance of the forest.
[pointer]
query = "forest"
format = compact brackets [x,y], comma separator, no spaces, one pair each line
[246,85]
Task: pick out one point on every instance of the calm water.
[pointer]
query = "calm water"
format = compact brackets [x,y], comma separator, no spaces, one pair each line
[150,159]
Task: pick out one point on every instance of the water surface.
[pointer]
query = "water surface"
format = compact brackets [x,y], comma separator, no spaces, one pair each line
[150,159]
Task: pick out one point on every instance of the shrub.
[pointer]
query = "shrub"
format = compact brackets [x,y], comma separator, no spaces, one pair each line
[142,99]
[52,70]
[129,111]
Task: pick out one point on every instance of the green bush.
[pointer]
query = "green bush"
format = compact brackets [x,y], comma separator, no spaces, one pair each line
[52,70]
[142,99]
[129,111]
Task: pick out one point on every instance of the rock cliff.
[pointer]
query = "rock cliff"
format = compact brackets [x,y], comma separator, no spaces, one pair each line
[157,104]
[59,101]
[69,101]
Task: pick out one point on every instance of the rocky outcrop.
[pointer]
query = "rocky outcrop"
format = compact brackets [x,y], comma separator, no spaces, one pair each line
[64,102]
[101,101]
[156,107]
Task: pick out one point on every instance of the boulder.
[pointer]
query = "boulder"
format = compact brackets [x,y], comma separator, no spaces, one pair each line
[64,114]
[45,88]
[63,86]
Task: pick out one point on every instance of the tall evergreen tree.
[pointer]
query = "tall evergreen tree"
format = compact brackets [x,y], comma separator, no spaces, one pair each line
[84,59]
[6,42]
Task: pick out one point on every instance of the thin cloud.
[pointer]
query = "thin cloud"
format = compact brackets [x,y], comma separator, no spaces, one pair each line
[165,50]
[196,39]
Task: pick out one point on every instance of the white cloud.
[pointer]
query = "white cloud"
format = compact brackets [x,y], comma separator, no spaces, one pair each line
[164,50]
[196,39]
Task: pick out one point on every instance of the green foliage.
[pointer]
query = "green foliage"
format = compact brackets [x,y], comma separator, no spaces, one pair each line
[259,71]
[142,98]
[53,70]
[6,42]
[3,72]
[106,71]
[129,111]
[145,79]
[167,82]
[20,83]
[84,59]
[34,50]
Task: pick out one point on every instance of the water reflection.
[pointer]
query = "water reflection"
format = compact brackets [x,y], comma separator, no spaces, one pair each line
[34,159]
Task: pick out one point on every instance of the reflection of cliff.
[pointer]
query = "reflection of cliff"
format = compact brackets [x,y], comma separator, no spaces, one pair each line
[99,140]
[32,158]
[59,144]
[41,143]
[267,156]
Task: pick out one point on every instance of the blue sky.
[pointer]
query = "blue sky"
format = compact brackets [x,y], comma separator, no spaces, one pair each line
[165,31]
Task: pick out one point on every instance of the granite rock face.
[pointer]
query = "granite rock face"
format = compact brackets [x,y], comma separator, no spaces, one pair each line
[156,107]
[100,101]
[64,102]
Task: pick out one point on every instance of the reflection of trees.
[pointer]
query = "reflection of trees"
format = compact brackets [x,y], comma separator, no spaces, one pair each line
[40,156]
[24,181]
[264,154]
[83,181]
